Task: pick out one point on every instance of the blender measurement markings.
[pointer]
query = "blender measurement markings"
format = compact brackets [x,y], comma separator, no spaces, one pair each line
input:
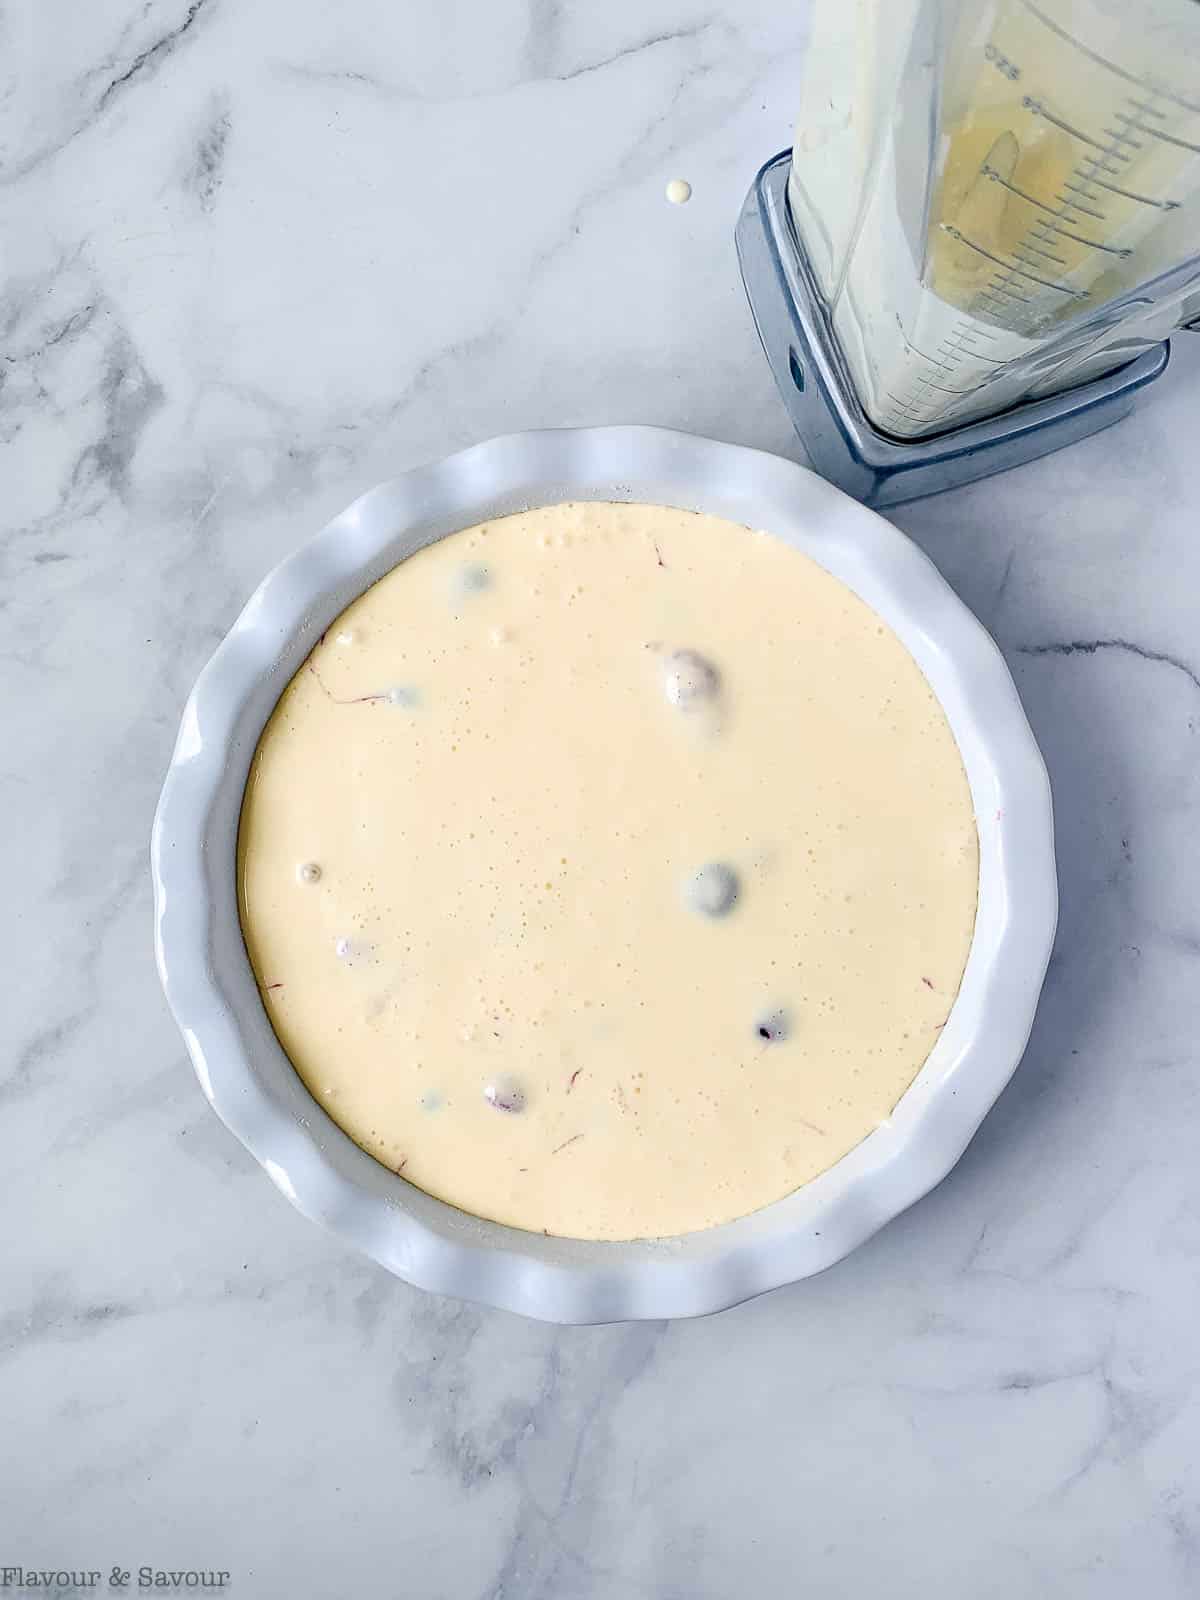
[1126,137]
[1052,225]
[1170,138]
[976,355]
[990,172]
[1093,244]
[942,388]
[961,331]
[1035,244]
[1039,110]
[1037,247]
[1109,66]
[1004,286]
[1126,194]
[1077,205]
[1009,266]
[1077,199]
[933,360]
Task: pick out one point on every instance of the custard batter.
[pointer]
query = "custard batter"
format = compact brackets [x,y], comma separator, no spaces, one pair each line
[608,870]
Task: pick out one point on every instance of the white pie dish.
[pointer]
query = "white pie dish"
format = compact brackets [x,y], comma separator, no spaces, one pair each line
[250,1082]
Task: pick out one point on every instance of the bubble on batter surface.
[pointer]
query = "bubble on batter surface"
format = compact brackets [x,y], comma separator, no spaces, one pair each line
[713,891]
[308,872]
[403,695]
[773,1026]
[505,1093]
[690,679]
[473,577]
[352,952]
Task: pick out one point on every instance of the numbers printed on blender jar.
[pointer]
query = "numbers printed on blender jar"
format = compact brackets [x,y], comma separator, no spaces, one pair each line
[1001,62]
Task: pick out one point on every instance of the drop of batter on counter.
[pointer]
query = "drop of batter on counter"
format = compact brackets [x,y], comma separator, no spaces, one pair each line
[308,872]
[505,1093]
[713,890]
[679,191]
[690,679]
[776,1025]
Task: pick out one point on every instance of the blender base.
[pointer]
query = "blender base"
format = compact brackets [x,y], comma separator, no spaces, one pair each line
[843,444]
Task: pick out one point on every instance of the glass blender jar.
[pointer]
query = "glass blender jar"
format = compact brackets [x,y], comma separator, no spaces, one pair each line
[987,225]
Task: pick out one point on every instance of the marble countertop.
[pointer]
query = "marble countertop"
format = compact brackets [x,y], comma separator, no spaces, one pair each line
[258,258]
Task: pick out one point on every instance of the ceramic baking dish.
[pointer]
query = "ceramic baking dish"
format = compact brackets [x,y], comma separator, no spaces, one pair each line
[250,1082]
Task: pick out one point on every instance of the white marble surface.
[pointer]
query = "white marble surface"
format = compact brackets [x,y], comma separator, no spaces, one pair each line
[260,256]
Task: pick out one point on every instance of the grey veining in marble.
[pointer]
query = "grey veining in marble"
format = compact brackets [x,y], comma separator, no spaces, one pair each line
[258,257]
